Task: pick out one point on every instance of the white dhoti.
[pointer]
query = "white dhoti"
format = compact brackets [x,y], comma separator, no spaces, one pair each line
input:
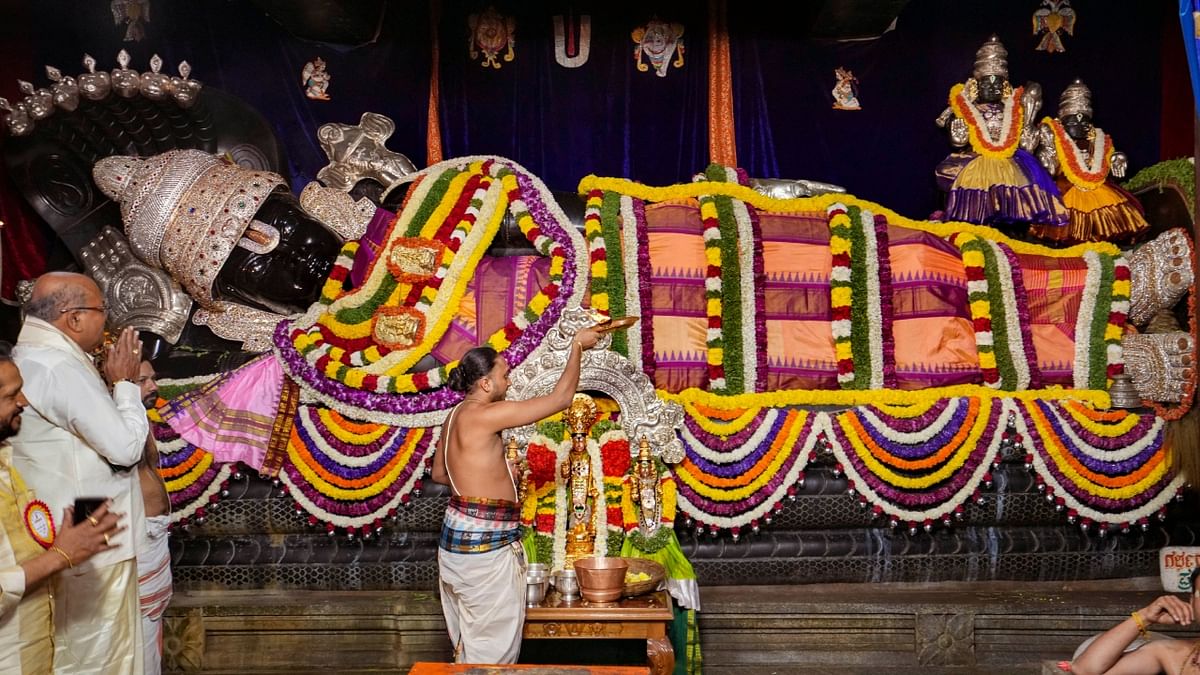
[97,622]
[483,599]
[154,588]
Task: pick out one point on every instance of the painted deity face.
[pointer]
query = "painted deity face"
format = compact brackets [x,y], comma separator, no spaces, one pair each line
[991,88]
[287,279]
[1077,125]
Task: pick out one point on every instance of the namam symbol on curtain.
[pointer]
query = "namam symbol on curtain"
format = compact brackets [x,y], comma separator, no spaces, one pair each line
[491,33]
[1053,16]
[658,41]
[572,39]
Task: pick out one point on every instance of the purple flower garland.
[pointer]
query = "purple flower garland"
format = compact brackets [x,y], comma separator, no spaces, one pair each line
[926,449]
[884,257]
[740,467]
[1139,430]
[644,273]
[760,290]
[714,442]
[372,507]
[925,498]
[919,423]
[397,440]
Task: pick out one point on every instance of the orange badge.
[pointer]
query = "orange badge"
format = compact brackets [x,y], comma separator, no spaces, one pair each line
[40,523]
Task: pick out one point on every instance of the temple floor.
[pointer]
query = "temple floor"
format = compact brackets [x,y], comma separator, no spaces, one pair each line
[947,627]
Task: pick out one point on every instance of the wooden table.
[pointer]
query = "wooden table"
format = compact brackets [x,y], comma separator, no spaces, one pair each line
[644,617]
[424,668]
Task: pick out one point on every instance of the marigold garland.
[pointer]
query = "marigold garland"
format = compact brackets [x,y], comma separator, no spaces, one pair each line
[1085,172]
[977,130]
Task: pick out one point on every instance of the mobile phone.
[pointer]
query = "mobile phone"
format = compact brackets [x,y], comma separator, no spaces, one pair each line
[84,506]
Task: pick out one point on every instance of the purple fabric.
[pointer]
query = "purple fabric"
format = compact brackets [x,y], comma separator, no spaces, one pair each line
[369,245]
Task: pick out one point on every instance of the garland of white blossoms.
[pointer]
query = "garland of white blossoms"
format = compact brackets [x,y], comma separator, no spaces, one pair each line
[1012,324]
[204,499]
[1155,505]
[1083,321]
[923,435]
[562,453]
[633,296]
[695,445]
[944,508]
[750,345]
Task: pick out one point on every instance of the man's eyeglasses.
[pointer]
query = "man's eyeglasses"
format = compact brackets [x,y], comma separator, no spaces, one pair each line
[103,309]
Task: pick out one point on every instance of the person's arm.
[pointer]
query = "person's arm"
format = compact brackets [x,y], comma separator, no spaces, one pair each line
[1106,655]
[437,472]
[71,398]
[508,414]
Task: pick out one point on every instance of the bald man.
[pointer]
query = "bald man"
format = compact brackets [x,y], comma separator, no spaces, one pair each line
[80,440]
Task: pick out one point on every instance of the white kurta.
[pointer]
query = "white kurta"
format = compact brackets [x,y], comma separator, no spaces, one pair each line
[77,440]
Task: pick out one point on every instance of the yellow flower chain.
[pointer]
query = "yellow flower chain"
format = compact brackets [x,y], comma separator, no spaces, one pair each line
[952,465]
[721,428]
[821,203]
[1088,486]
[787,448]
[877,397]
[335,492]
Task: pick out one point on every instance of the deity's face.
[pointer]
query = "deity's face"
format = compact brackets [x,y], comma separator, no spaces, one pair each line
[287,279]
[656,39]
[1077,125]
[991,88]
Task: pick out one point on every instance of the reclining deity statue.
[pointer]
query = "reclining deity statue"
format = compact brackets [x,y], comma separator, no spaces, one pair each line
[998,182]
[1082,155]
[242,247]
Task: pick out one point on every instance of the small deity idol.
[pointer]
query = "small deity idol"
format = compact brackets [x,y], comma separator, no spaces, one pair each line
[576,471]
[999,182]
[315,79]
[1082,156]
[647,491]
[845,92]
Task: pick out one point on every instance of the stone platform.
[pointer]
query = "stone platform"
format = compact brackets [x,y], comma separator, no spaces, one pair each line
[943,628]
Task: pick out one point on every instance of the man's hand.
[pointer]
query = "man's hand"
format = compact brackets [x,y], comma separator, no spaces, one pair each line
[587,338]
[123,358]
[1168,609]
[90,537]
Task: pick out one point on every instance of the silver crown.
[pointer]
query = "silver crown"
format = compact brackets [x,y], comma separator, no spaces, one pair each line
[991,59]
[1076,98]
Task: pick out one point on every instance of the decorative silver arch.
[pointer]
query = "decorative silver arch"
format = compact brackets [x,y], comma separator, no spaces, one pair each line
[642,412]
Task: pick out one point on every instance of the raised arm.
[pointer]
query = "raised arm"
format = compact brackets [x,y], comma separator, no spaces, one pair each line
[507,414]
[1106,655]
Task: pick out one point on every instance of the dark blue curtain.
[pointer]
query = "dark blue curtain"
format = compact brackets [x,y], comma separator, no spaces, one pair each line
[234,46]
[605,117]
[886,152]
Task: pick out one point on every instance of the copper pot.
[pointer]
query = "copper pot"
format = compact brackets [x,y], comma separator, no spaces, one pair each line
[601,579]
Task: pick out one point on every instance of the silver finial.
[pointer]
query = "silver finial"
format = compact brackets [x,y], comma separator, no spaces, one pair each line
[54,74]
[185,69]
[5,105]
[123,59]
[25,87]
[156,63]
[89,63]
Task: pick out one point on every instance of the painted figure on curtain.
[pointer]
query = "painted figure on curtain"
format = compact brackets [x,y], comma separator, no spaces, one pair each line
[491,33]
[657,42]
[845,92]
[315,79]
[572,39]
[132,13]
[998,182]
[1082,155]
[1054,17]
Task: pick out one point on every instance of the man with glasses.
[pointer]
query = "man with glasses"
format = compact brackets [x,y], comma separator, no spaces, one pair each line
[81,441]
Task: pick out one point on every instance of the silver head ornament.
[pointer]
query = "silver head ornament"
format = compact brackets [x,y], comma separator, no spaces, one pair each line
[991,59]
[65,89]
[94,85]
[1075,99]
[125,81]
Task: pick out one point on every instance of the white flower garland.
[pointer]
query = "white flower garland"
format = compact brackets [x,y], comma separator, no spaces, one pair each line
[1006,121]
[745,243]
[944,508]
[314,433]
[874,302]
[1092,159]
[188,382]
[1012,318]
[1083,322]
[820,422]
[633,297]
[1144,511]
[1103,454]
[912,437]
[739,453]
[599,509]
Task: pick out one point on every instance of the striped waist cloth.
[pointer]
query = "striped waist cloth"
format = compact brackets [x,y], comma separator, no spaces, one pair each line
[477,525]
